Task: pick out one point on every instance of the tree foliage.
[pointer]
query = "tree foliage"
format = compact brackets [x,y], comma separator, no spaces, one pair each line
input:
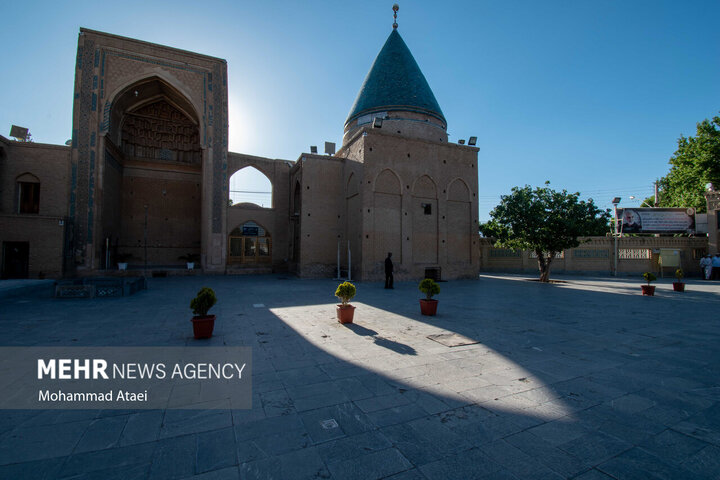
[695,163]
[544,221]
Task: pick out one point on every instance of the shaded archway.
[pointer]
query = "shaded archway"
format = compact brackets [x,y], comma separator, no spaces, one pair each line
[152,175]
[249,243]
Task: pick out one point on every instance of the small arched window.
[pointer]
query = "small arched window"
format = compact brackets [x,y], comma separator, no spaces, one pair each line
[250,185]
[28,193]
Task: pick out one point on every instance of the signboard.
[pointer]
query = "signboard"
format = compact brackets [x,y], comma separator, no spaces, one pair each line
[669,258]
[657,220]
[250,231]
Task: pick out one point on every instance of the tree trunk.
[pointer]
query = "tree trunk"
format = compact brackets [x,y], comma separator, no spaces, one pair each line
[544,265]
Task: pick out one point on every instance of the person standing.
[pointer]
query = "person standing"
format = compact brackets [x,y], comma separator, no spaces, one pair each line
[706,266]
[389,271]
[716,267]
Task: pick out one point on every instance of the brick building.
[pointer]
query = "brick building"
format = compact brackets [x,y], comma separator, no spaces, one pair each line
[146,178]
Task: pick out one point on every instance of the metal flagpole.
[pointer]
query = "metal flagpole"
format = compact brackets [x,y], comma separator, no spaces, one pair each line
[349,263]
[338,261]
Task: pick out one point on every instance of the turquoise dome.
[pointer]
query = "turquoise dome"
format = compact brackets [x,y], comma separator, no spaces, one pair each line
[395,83]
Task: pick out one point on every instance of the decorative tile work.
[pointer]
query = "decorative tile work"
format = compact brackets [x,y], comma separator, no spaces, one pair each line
[78,60]
[91,195]
[81,194]
[105,125]
[73,183]
[74,291]
[219,160]
[107,291]
[138,58]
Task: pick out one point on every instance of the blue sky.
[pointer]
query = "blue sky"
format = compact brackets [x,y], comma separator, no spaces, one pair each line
[591,95]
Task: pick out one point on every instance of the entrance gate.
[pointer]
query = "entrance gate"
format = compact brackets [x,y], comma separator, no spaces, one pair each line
[249,243]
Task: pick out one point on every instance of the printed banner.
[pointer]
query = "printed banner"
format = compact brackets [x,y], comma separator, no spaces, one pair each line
[657,220]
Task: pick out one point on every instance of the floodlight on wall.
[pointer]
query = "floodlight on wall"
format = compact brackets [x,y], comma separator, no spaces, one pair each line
[461,142]
[377,122]
[330,148]
[21,133]
[313,148]
[472,141]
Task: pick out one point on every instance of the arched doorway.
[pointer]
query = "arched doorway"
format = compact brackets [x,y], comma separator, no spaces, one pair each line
[250,244]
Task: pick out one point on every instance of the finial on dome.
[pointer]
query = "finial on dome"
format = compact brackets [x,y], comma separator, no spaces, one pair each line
[396,7]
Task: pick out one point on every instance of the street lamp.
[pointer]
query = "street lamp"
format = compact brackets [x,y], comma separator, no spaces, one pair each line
[615,202]
[632,197]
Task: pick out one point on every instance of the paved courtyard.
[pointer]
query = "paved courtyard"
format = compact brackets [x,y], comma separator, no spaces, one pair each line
[585,379]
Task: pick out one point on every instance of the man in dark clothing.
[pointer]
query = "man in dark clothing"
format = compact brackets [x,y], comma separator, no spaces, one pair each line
[388,271]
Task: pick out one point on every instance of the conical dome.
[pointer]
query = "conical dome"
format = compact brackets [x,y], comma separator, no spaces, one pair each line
[395,83]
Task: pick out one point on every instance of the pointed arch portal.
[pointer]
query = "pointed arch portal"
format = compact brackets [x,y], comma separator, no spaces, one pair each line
[152,176]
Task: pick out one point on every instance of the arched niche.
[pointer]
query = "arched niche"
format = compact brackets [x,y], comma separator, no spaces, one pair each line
[425,187]
[387,181]
[458,191]
[250,186]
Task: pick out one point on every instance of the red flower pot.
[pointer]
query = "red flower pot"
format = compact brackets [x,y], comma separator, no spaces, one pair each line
[203,326]
[345,313]
[678,286]
[428,307]
[648,290]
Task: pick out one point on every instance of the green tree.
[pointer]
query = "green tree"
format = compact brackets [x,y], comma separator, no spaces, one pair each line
[544,221]
[695,164]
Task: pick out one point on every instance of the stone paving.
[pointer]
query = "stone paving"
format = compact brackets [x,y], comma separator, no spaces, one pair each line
[585,379]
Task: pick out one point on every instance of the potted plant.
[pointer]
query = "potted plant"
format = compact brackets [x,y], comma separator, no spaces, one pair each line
[121,259]
[429,287]
[190,259]
[679,286]
[345,292]
[203,324]
[648,289]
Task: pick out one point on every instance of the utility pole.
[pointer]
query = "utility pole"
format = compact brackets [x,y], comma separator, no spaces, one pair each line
[657,198]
